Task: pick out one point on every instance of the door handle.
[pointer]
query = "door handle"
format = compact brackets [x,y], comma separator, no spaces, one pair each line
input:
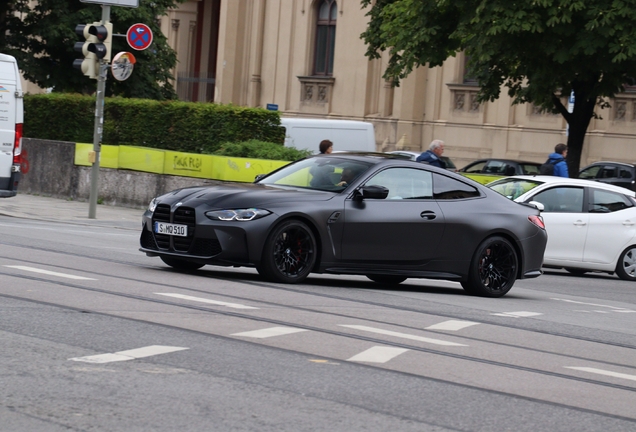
[580,223]
[628,223]
[428,215]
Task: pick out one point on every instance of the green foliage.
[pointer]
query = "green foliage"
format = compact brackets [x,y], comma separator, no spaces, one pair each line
[540,50]
[261,150]
[169,125]
[42,39]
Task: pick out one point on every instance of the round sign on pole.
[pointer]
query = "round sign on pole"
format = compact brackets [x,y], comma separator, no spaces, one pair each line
[139,36]
[122,65]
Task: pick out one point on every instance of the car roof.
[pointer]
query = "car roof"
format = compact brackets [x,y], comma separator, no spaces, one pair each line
[609,162]
[573,182]
[504,160]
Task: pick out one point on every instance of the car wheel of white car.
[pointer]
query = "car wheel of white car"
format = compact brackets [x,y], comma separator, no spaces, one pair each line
[626,266]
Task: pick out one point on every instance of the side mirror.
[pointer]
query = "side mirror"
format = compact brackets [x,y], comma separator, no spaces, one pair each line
[537,205]
[258,177]
[372,192]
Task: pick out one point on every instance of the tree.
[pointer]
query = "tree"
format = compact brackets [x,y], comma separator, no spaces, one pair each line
[42,38]
[540,50]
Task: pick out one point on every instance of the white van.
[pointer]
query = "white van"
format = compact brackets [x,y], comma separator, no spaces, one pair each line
[346,135]
[11,119]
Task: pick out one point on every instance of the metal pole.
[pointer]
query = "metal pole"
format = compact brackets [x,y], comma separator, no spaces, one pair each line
[99,123]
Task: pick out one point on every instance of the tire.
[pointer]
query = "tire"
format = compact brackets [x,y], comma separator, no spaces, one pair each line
[289,254]
[493,269]
[180,264]
[576,271]
[626,265]
[387,279]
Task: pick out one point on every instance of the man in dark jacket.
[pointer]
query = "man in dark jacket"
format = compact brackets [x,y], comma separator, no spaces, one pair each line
[558,160]
[432,155]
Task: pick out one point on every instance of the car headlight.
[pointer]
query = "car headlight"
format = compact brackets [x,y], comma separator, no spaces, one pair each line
[237,214]
[153,205]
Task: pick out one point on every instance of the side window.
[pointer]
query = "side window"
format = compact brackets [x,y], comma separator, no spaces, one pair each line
[530,169]
[325,37]
[405,183]
[561,200]
[446,188]
[475,168]
[590,173]
[625,173]
[606,202]
[608,172]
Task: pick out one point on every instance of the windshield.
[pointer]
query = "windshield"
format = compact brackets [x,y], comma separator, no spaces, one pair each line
[328,173]
[513,188]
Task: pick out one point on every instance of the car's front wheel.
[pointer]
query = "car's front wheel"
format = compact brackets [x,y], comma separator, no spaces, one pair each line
[289,254]
[626,266]
[180,264]
[387,279]
[493,269]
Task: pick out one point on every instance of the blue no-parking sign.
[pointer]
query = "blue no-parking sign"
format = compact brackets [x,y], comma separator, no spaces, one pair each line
[139,36]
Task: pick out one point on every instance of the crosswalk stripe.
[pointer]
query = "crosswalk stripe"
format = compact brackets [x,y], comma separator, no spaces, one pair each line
[208,301]
[378,354]
[269,332]
[603,372]
[403,335]
[452,325]
[47,272]
[129,354]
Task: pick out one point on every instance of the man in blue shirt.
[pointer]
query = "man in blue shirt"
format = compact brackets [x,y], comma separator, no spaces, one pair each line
[558,160]
[432,155]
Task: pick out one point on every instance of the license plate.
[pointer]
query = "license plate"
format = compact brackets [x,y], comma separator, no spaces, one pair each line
[171,229]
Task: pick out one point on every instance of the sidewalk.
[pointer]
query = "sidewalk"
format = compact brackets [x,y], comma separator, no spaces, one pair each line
[52,209]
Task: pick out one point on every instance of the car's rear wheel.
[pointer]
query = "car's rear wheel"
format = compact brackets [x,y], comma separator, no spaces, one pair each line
[180,264]
[289,254]
[493,270]
[387,279]
[576,271]
[626,266]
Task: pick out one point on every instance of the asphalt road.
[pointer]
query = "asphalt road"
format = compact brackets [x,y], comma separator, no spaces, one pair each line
[97,336]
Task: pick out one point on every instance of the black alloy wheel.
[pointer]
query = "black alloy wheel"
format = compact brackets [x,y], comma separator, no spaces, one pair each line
[289,254]
[626,266]
[493,270]
[387,279]
[180,264]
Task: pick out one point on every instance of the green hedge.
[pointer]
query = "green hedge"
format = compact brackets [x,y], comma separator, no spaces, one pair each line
[179,126]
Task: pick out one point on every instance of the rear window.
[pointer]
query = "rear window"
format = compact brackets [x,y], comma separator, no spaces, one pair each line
[513,188]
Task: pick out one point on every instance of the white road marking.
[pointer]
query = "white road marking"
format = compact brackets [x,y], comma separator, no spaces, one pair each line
[403,335]
[378,354]
[269,332]
[50,273]
[603,372]
[204,300]
[129,354]
[614,308]
[520,314]
[452,325]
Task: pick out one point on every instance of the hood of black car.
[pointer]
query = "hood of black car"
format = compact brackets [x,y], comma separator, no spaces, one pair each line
[241,195]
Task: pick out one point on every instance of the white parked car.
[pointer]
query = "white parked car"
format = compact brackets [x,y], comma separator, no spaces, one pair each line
[591,226]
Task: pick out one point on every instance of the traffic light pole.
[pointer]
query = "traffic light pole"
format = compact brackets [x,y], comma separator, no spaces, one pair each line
[99,123]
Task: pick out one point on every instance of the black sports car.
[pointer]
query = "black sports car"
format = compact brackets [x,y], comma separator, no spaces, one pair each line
[366,214]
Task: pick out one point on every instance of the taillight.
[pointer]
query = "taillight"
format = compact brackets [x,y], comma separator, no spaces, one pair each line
[537,220]
[17,147]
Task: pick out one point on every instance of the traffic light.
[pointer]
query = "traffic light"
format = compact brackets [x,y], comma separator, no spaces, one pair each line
[97,47]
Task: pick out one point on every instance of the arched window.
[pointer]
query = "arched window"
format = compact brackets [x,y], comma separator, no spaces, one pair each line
[325,37]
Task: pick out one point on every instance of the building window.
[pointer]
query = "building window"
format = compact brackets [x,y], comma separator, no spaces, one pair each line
[467,76]
[325,37]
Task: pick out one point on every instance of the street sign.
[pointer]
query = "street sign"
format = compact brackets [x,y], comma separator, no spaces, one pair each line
[125,3]
[122,66]
[139,36]
[272,107]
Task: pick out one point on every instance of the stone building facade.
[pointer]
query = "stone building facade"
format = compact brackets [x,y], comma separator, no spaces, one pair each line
[307,57]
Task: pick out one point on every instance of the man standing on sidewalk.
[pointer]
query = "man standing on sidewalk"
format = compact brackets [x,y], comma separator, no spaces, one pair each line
[432,155]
